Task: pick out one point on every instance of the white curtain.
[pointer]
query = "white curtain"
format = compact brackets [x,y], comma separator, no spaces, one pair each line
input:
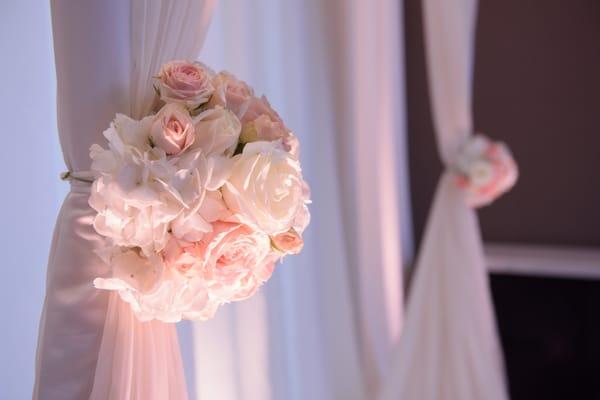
[449,348]
[90,344]
[323,327]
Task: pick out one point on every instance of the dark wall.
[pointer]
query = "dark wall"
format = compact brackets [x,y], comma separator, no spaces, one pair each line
[536,87]
[549,330]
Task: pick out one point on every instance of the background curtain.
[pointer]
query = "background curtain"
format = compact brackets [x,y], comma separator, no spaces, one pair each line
[449,348]
[323,327]
[106,54]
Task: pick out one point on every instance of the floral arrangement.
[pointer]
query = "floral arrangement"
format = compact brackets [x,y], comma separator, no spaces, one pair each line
[485,170]
[199,200]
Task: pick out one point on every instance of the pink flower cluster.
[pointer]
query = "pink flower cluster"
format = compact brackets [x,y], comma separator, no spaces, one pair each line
[199,200]
[485,170]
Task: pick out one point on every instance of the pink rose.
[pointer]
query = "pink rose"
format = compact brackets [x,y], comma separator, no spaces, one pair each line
[183,256]
[291,144]
[263,128]
[184,82]
[172,129]
[236,260]
[231,93]
[233,260]
[261,123]
[485,170]
[258,106]
[288,242]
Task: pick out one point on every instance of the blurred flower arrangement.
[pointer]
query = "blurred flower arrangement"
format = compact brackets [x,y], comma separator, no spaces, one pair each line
[485,170]
[198,200]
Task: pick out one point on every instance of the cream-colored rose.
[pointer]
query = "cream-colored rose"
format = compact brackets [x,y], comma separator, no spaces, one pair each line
[173,129]
[265,187]
[217,131]
[184,82]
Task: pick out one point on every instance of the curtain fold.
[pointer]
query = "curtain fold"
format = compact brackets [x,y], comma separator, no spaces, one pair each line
[449,347]
[322,328]
[371,119]
[90,344]
[142,360]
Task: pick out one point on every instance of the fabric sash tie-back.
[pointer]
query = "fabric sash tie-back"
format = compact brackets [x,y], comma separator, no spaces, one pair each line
[83,176]
[80,181]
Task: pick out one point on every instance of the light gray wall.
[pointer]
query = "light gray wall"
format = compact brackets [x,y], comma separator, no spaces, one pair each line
[30,191]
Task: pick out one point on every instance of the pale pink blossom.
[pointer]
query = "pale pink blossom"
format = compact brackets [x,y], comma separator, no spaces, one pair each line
[236,260]
[261,123]
[233,260]
[231,93]
[198,202]
[184,82]
[173,129]
[485,170]
[258,106]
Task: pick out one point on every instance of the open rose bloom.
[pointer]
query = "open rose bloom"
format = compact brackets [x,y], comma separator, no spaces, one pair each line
[485,170]
[199,200]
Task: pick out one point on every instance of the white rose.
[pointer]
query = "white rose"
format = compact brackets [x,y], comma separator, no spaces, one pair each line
[217,131]
[265,187]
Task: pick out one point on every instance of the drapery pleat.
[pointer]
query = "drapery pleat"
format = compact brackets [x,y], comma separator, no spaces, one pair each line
[137,361]
[90,344]
[142,360]
[449,347]
[371,123]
